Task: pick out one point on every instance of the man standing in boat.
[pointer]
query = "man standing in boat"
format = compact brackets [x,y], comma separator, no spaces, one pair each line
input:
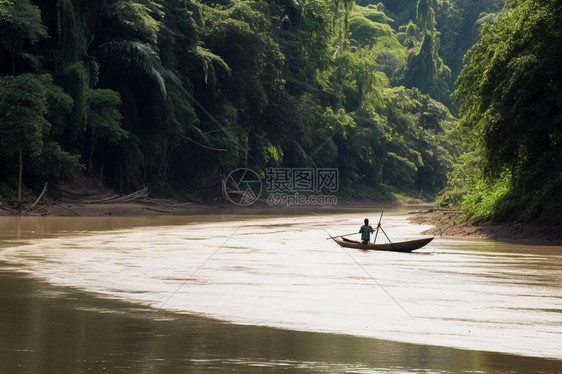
[366,232]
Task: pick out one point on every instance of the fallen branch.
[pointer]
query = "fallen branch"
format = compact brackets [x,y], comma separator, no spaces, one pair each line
[140,194]
[9,210]
[166,203]
[36,201]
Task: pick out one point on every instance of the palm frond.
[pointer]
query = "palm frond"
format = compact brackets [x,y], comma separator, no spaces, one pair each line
[130,53]
[207,58]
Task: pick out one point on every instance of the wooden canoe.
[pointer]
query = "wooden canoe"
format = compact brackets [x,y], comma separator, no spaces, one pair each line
[407,246]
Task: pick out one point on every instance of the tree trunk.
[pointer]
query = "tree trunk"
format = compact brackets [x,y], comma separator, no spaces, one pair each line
[59,23]
[20,171]
[92,146]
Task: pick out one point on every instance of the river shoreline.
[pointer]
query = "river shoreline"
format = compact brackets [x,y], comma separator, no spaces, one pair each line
[148,206]
[99,203]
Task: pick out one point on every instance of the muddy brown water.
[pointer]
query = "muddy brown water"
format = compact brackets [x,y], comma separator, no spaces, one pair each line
[267,294]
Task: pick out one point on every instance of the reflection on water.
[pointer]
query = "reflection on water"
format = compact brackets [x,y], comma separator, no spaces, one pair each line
[51,331]
[157,279]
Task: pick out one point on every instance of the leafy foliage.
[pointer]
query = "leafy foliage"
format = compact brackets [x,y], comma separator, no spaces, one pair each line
[175,94]
[20,23]
[511,104]
[23,104]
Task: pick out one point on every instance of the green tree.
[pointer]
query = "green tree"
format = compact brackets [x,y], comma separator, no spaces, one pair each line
[20,23]
[23,105]
[421,66]
[339,7]
[425,15]
[104,118]
[426,69]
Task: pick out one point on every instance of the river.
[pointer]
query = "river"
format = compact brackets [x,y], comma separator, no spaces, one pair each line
[264,293]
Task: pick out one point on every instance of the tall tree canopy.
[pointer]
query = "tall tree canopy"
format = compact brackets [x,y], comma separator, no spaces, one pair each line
[175,94]
[511,105]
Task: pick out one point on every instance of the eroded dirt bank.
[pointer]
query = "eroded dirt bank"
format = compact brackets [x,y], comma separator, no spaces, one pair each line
[445,225]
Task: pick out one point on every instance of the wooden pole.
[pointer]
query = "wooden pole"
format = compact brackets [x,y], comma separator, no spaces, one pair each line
[378,226]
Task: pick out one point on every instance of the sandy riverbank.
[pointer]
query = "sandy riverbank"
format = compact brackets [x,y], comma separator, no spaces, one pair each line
[444,222]
[86,197]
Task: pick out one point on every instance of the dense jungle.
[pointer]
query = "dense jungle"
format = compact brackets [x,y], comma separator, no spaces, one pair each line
[454,101]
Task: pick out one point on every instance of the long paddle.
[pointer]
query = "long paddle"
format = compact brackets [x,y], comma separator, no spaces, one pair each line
[341,236]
